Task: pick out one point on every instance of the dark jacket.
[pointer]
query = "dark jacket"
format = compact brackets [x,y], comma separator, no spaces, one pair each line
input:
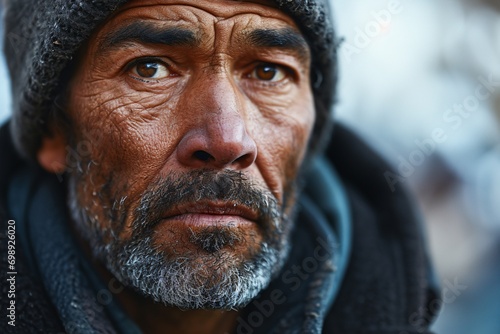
[376,280]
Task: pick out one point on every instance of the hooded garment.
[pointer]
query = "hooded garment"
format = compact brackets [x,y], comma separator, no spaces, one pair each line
[358,262]
[359,247]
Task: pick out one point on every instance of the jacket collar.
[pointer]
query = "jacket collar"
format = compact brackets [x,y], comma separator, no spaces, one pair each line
[296,301]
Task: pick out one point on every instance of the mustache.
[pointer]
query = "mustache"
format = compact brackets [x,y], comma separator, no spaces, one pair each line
[174,190]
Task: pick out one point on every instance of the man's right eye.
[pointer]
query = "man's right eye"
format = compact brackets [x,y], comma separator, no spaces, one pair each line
[150,69]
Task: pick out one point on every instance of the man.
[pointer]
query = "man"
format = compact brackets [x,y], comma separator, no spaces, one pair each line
[177,176]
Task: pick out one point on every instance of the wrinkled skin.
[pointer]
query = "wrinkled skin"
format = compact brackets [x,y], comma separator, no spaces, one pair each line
[217,101]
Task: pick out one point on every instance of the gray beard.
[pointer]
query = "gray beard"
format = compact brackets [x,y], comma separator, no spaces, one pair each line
[213,279]
[222,282]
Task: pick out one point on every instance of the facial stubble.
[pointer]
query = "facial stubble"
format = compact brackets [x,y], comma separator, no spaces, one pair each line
[205,268]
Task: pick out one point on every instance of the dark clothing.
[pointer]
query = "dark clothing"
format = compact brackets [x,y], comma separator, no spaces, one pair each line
[358,262]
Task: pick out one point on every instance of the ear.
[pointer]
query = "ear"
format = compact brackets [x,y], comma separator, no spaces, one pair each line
[52,153]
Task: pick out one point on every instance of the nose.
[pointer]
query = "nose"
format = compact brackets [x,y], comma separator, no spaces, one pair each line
[219,137]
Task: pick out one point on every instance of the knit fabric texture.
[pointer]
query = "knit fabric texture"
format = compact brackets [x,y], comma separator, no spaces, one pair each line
[43,36]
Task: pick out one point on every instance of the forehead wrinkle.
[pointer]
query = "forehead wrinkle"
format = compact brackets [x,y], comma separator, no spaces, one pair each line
[167,11]
[264,8]
[147,32]
[264,32]
[278,38]
[275,34]
[223,32]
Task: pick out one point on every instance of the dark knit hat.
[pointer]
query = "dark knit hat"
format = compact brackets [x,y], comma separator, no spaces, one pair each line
[42,37]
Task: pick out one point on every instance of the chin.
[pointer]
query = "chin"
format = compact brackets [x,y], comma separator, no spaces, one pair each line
[209,276]
[203,240]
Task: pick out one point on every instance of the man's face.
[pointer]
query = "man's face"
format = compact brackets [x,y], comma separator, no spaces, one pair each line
[198,114]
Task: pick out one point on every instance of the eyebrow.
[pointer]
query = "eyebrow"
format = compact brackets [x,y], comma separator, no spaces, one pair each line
[287,39]
[147,33]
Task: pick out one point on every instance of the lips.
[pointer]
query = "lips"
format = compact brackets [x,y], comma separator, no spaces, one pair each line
[212,213]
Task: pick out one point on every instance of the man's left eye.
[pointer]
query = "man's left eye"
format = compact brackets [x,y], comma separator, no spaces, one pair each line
[151,70]
[268,72]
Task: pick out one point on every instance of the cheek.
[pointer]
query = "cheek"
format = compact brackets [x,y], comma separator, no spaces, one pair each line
[122,124]
[127,136]
[282,141]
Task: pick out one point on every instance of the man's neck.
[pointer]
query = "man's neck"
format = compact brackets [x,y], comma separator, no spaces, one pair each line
[154,317]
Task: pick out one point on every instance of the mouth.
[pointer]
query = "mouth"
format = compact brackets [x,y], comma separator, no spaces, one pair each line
[212,214]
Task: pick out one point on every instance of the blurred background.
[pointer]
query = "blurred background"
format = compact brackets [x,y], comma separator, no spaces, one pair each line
[420,80]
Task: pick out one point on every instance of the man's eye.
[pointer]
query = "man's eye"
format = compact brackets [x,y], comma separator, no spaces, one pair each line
[268,72]
[150,70]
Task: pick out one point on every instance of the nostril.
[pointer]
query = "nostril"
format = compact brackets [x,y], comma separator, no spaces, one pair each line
[203,156]
[245,159]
